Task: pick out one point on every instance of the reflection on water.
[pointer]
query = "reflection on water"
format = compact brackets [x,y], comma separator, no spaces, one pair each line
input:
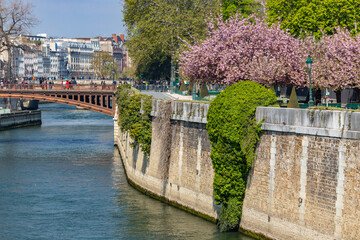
[65,180]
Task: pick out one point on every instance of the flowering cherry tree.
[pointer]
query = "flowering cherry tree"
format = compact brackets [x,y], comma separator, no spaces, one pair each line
[245,49]
[337,61]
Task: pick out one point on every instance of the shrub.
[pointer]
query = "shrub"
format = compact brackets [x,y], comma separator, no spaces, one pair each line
[204,91]
[293,101]
[234,132]
[134,116]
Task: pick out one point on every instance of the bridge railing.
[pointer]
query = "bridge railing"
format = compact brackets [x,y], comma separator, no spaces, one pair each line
[61,87]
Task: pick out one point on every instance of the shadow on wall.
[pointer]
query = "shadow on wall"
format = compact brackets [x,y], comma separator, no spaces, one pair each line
[135,155]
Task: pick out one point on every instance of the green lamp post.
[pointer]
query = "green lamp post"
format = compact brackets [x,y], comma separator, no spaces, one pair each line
[309,63]
[194,92]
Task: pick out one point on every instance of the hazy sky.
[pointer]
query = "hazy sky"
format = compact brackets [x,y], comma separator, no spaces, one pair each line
[78,18]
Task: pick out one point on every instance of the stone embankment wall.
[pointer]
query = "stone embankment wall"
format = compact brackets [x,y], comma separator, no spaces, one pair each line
[179,169]
[305,180]
[304,183]
[20,119]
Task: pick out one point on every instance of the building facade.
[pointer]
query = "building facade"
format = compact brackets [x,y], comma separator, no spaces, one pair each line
[60,58]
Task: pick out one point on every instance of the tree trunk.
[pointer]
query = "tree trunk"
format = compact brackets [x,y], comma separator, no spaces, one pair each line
[356,95]
[338,96]
[317,97]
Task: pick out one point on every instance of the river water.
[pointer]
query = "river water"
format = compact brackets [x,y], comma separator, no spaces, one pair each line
[65,180]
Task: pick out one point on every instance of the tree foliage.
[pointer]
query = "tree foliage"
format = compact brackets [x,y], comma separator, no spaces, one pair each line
[134,116]
[245,7]
[104,65]
[156,29]
[302,17]
[233,133]
[245,49]
[336,60]
[15,18]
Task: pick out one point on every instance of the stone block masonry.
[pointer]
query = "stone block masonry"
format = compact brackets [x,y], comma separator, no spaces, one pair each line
[305,179]
[20,119]
[179,169]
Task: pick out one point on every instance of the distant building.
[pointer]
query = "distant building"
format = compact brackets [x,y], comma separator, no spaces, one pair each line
[61,58]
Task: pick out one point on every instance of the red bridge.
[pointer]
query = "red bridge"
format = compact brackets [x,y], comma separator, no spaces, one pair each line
[99,98]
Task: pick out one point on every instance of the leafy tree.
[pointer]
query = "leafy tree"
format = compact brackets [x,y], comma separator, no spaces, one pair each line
[104,65]
[336,60]
[245,7]
[128,72]
[302,17]
[246,49]
[16,18]
[157,28]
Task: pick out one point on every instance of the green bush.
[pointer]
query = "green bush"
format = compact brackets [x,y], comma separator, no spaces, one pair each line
[293,101]
[234,132]
[134,116]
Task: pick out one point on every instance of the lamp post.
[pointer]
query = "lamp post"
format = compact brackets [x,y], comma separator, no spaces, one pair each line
[309,63]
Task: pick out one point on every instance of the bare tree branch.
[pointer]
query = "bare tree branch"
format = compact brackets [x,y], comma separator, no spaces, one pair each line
[16,18]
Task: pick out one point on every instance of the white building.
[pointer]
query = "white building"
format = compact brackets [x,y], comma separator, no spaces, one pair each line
[63,57]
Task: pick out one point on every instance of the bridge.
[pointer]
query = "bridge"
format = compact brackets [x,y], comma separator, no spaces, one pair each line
[99,98]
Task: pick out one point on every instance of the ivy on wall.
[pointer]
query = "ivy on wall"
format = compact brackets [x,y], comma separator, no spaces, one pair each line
[134,116]
[233,133]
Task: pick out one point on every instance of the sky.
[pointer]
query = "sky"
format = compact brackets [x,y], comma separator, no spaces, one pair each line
[78,18]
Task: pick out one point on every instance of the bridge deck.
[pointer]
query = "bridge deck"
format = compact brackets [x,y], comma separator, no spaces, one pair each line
[100,98]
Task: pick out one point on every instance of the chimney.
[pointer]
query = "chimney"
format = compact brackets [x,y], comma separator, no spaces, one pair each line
[122,37]
[115,38]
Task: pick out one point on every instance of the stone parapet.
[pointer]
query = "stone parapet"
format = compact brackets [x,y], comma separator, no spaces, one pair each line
[338,124]
[305,177]
[184,111]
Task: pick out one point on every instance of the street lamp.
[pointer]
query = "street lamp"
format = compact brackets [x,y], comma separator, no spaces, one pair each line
[309,63]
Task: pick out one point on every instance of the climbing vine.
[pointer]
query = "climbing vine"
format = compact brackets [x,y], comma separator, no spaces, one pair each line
[234,132]
[134,116]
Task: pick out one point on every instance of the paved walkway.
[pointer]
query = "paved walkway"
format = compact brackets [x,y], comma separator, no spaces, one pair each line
[167,96]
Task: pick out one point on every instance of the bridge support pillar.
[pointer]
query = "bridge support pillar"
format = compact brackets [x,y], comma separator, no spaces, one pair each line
[113,105]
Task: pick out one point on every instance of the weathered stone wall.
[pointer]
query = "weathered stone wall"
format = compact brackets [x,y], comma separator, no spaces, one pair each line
[304,183]
[305,179]
[20,119]
[179,169]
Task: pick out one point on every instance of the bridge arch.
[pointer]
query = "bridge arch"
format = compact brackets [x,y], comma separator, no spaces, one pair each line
[102,101]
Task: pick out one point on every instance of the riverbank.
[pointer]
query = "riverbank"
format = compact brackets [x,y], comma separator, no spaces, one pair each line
[20,119]
[303,180]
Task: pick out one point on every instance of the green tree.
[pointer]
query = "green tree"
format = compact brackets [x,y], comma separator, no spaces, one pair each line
[315,17]
[245,7]
[104,65]
[157,28]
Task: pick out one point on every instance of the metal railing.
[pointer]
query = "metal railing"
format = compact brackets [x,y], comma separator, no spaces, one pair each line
[61,87]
